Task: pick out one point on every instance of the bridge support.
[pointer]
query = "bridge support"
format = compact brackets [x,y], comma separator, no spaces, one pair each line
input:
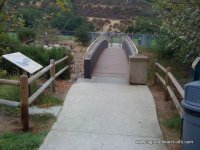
[138,69]
[87,68]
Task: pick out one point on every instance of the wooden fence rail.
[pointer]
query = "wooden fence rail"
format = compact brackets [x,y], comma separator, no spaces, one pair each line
[25,98]
[169,83]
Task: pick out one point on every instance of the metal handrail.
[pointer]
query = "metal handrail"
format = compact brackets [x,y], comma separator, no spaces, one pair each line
[132,45]
[95,43]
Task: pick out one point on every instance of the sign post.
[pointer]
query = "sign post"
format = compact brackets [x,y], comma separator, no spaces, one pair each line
[30,67]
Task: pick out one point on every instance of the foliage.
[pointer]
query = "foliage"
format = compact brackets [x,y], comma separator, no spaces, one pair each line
[30,16]
[64,5]
[40,55]
[26,35]
[179,31]
[143,25]
[82,35]
[7,43]
[9,110]
[8,92]
[67,22]
[3,73]
[173,123]
[70,22]
[21,141]
[49,101]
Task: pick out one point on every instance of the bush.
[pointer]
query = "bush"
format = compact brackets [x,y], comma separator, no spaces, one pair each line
[26,36]
[41,56]
[30,16]
[144,25]
[180,24]
[82,35]
[8,92]
[67,22]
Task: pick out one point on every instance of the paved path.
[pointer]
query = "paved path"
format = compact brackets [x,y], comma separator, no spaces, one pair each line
[112,63]
[105,114]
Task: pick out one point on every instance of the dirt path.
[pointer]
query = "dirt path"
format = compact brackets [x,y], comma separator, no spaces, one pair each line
[165,111]
[78,53]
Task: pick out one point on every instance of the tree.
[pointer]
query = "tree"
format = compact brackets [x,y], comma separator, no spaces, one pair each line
[143,25]
[180,28]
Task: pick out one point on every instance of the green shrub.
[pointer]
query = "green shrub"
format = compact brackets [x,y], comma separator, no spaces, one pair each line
[82,35]
[30,16]
[41,56]
[26,35]
[173,123]
[22,141]
[8,92]
[48,101]
[3,73]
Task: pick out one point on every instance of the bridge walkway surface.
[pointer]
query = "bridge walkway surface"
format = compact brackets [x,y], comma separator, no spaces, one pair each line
[106,113]
[113,62]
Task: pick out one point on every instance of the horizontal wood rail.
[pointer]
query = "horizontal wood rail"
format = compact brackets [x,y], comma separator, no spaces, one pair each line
[9,103]
[40,90]
[61,60]
[25,98]
[39,74]
[169,83]
[9,82]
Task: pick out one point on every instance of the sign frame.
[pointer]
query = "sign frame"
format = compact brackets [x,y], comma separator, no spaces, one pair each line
[23,62]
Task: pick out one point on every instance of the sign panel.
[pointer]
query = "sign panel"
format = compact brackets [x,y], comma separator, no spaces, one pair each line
[23,62]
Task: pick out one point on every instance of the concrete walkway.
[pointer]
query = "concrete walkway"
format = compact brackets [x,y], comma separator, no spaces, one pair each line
[105,115]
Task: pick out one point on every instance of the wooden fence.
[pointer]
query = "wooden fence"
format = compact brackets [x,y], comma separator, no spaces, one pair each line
[25,98]
[171,86]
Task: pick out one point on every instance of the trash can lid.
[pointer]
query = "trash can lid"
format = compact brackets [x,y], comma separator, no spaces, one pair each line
[190,105]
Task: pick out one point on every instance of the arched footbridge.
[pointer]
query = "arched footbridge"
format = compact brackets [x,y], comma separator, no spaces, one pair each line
[102,111]
[106,59]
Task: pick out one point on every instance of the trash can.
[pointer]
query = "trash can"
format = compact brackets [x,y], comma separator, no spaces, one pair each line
[138,69]
[191,121]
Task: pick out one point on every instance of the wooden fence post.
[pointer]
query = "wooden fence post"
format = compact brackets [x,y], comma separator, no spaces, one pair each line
[167,83]
[24,94]
[52,74]
[155,70]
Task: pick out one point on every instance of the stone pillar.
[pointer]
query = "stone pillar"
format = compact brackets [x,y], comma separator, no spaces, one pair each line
[138,69]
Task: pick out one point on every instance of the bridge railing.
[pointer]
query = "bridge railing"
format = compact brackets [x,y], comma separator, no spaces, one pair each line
[129,46]
[95,43]
[93,53]
[26,98]
[171,86]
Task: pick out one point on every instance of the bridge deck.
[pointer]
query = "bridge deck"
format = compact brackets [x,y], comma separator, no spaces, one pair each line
[112,63]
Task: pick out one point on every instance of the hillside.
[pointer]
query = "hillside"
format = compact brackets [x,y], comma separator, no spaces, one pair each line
[106,15]
[112,15]
[113,9]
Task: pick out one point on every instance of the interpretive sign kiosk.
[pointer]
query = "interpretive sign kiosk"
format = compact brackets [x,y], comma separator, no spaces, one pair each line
[23,62]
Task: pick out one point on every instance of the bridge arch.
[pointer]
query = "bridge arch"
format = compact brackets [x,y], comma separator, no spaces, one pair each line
[110,60]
